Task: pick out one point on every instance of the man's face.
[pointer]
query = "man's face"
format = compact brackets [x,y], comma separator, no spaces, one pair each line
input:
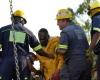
[19,19]
[61,23]
[43,37]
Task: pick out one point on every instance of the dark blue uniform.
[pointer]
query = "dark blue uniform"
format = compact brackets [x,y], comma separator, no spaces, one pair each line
[96,28]
[76,67]
[23,38]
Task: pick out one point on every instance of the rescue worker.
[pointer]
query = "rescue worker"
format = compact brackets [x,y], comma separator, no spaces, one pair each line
[49,67]
[94,12]
[73,45]
[23,38]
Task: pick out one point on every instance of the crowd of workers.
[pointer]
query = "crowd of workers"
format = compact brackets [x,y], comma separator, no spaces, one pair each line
[64,57]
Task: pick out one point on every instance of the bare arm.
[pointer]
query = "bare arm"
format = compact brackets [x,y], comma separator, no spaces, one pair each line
[94,40]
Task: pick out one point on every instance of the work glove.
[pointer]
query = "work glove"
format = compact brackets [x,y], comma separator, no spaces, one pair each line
[38,72]
[89,55]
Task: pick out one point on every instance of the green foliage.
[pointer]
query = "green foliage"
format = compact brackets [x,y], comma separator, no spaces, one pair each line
[87,25]
[83,7]
[82,10]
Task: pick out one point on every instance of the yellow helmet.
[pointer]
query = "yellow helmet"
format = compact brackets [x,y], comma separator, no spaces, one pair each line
[64,13]
[94,4]
[94,7]
[20,13]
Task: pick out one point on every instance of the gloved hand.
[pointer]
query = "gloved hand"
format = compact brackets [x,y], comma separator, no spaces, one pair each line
[89,55]
[38,72]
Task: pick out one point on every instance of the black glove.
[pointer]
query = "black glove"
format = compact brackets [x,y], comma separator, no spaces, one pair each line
[38,72]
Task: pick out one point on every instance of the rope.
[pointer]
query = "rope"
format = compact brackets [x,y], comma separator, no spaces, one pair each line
[14,43]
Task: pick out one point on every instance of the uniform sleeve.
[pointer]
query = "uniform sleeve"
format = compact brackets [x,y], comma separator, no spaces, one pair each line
[34,43]
[0,39]
[96,23]
[63,41]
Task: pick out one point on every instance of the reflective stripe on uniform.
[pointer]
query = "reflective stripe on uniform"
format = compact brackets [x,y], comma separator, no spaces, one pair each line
[0,46]
[26,78]
[96,29]
[0,77]
[19,36]
[37,48]
[62,46]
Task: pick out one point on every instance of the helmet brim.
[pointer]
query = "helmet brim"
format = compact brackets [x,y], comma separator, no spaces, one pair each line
[25,21]
[90,10]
